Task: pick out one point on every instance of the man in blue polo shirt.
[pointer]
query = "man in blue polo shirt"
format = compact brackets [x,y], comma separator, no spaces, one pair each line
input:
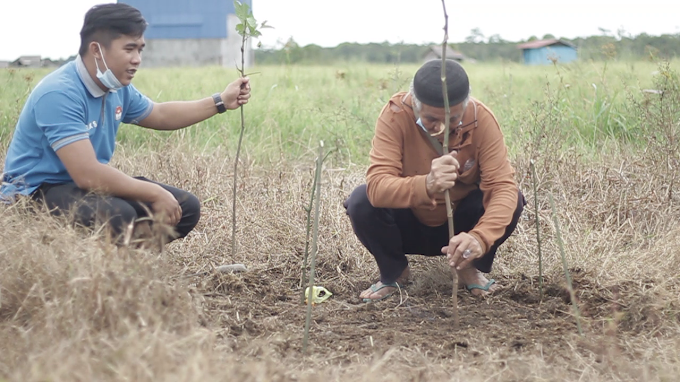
[66,133]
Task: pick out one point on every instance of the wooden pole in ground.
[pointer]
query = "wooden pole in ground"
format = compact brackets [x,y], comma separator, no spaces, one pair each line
[308,210]
[315,247]
[447,197]
[538,230]
[567,275]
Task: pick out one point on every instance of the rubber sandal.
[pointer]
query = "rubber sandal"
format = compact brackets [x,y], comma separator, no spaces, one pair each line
[375,288]
[482,287]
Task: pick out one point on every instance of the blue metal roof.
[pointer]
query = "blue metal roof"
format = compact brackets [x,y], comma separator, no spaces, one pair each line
[185,19]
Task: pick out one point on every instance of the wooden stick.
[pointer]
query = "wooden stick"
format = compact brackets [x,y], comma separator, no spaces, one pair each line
[447,197]
[538,230]
[308,210]
[572,295]
[315,237]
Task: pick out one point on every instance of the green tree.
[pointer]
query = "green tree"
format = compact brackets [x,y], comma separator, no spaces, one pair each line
[476,35]
[495,39]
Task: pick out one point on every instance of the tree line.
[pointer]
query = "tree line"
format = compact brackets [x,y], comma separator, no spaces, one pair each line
[476,46]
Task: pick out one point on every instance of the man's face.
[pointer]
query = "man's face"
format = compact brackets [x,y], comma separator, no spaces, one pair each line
[433,118]
[123,57]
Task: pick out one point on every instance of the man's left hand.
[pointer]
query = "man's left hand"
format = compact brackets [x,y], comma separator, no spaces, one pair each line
[236,93]
[462,249]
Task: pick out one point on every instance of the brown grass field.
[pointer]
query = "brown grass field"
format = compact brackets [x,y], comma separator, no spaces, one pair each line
[74,307]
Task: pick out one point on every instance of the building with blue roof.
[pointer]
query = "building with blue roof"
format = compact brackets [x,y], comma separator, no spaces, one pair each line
[544,52]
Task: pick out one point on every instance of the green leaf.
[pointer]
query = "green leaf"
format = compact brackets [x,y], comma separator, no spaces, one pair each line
[255,33]
[264,25]
[242,10]
[241,29]
[251,22]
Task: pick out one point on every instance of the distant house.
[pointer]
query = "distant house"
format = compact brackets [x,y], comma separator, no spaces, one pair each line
[27,62]
[4,64]
[49,63]
[544,52]
[434,52]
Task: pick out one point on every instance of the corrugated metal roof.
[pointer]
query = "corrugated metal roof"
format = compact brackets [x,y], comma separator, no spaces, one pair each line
[542,43]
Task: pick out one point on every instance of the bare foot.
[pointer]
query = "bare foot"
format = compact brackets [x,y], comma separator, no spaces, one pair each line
[472,276]
[381,293]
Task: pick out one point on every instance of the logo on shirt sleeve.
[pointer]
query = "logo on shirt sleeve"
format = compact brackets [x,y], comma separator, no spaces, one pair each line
[119,113]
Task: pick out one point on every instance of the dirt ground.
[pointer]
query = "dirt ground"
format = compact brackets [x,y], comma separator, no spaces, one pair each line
[513,324]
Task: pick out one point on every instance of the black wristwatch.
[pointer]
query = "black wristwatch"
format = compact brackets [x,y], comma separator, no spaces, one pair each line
[219,103]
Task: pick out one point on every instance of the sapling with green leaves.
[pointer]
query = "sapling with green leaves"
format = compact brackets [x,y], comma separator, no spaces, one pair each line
[247,28]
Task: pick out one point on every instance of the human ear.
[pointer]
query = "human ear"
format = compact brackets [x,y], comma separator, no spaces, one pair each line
[95,50]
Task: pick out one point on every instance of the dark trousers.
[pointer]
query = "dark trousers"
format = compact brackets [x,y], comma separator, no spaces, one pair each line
[88,209]
[389,234]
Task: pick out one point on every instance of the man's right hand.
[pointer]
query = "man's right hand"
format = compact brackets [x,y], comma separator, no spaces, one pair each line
[166,207]
[443,174]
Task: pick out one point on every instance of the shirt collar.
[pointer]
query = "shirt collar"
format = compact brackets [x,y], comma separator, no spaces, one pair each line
[89,83]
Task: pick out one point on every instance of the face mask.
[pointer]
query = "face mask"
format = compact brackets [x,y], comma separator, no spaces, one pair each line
[419,122]
[107,78]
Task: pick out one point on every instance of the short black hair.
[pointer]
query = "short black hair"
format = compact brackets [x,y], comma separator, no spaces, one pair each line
[107,22]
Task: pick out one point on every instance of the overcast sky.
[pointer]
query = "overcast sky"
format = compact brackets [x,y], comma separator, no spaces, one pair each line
[50,27]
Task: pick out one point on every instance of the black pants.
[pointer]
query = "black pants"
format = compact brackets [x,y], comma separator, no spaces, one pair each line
[389,234]
[88,209]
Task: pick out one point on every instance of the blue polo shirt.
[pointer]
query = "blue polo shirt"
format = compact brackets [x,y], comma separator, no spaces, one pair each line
[65,107]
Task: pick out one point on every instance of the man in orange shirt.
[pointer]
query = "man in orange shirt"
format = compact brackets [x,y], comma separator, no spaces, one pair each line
[401,208]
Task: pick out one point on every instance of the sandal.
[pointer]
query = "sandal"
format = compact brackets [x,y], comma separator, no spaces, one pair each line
[482,287]
[374,288]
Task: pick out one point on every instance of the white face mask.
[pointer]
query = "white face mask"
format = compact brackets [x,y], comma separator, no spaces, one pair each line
[438,131]
[107,78]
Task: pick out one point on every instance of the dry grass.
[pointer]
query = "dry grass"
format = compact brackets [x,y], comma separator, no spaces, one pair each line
[73,307]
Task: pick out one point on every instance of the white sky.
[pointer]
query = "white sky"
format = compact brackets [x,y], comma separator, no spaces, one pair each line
[50,27]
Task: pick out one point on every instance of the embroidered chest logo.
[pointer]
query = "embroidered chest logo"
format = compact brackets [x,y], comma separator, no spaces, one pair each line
[119,113]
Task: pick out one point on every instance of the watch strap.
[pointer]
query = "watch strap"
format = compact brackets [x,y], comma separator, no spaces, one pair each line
[219,103]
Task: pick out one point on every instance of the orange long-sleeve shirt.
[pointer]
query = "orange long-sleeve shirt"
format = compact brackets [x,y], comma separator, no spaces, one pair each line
[401,159]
